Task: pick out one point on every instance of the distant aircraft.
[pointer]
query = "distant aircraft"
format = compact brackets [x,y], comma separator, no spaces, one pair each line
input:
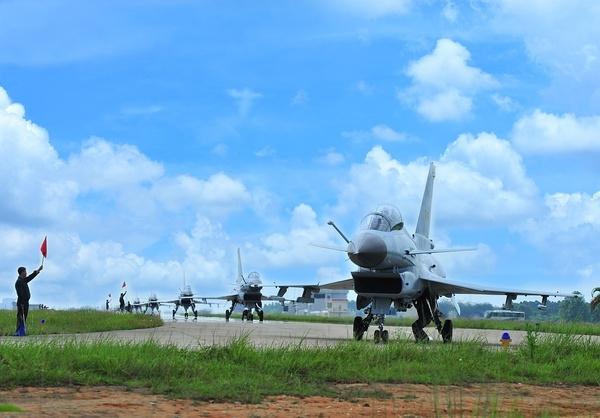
[151,304]
[186,300]
[248,293]
[396,267]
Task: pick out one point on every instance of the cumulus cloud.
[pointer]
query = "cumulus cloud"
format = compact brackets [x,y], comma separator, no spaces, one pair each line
[545,133]
[567,232]
[443,84]
[94,203]
[379,132]
[480,179]
[293,248]
[450,11]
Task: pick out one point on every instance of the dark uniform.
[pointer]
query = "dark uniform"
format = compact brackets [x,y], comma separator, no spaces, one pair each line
[23,296]
[122,302]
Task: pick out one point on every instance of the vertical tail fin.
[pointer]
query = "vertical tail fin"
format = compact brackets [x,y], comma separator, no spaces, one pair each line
[424,221]
[240,275]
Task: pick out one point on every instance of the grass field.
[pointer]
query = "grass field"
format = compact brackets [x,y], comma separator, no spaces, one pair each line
[241,372]
[75,321]
[582,328]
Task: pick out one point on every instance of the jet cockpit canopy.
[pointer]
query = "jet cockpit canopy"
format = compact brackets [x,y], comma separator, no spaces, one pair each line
[187,291]
[253,279]
[385,218]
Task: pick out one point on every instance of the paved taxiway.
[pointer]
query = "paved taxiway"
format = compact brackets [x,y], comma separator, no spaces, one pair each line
[215,331]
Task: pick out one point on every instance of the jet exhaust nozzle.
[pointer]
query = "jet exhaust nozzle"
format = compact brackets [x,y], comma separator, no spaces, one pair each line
[367,251]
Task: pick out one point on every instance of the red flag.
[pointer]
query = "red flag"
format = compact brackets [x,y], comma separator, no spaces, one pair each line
[44,247]
[124,285]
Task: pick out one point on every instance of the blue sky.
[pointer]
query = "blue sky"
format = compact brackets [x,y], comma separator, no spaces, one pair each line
[151,138]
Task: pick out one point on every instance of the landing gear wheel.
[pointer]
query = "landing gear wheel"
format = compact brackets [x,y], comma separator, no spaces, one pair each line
[447,331]
[186,315]
[358,328]
[173,313]
[250,317]
[244,315]
[195,314]
[261,316]
[227,315]
[385,336]
[376,336]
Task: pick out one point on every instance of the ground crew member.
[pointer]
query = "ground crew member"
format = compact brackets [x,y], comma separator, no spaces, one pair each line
[23,296]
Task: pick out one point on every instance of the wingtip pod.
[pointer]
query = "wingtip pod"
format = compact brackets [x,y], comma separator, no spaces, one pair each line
[424,222]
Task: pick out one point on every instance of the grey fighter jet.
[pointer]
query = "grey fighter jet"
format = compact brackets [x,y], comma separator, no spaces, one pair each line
[248,294]
[397,267]
[151,304]
[186,300]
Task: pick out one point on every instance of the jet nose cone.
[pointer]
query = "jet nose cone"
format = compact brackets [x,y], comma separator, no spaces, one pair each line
[368,251]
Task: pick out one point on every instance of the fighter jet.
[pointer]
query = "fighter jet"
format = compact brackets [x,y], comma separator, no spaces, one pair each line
[248,293]
[186,300]
[151,304]
[397,267]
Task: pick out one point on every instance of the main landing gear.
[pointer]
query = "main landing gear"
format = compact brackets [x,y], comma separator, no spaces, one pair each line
[427,310]
[361,325]
[246,314]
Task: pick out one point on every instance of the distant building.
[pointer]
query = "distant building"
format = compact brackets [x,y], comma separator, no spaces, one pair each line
[331,302]
[8,303]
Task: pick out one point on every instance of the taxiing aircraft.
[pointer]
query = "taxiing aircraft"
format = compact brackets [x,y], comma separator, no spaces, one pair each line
[248,293]
[397,267]
[151,304]
[186,300]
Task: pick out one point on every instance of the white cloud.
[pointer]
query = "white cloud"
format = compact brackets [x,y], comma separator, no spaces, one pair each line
[450,11]
[331,157]
[293,247]
[244,99]
[562,35]
[544,133]
[379,132]
[567,232]
[505,103]
[479,180]
[443,84]
[101,209]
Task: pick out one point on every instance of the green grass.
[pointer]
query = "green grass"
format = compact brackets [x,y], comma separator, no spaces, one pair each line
[8,407]
[75,321]
[241,372]
[582,328]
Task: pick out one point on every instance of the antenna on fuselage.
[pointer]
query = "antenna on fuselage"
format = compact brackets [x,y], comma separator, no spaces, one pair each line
[424,222]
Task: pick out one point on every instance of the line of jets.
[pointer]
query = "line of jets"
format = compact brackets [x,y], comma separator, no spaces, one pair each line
[394,268]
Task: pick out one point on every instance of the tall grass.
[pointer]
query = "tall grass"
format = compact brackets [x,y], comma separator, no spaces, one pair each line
[75,321]
[242,372]
[562,327]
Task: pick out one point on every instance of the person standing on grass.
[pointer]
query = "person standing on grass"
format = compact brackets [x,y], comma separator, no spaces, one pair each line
[122,301]
[23,296]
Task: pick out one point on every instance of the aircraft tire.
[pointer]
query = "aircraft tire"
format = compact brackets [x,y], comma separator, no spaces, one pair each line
[376,336]
[186,315]
[385,336]
[447,331]
[250,317]
[358,328]
[227,315]
[261,316]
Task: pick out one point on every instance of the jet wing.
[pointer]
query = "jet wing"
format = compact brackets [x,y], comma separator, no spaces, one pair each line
[309,289]
[167,301]
[227,297]
[442,286]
